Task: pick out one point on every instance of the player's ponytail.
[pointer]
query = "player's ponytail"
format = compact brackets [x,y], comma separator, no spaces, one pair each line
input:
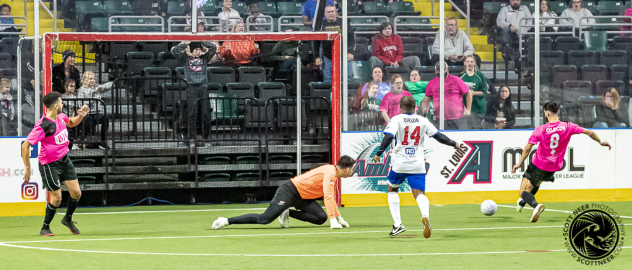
[551,107]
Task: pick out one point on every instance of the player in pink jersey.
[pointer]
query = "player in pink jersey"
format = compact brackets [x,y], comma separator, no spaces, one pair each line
[54,164]
[552,139]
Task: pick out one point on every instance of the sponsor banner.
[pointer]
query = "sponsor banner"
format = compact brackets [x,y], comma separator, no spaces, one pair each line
[12,186]
[485,160]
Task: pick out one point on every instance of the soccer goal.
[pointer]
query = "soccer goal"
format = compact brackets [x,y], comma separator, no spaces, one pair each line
[258,119]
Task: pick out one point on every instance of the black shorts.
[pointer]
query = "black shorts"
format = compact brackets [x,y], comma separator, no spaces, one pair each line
[537,176]
[56,172]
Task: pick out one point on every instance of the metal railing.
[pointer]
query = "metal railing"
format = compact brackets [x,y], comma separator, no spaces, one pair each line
[293,18]
[7,25]
[268,25]
[429,25]
[466,15]
[52,14]
[376,25]
[145,18]
[213,22]
[617,21]
[557,24]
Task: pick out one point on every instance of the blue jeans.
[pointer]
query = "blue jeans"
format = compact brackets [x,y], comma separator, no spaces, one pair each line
[327,70]
[508,36]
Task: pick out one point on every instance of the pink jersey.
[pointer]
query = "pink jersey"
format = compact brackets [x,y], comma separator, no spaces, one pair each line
[553,139]
[54,137]
[390,103]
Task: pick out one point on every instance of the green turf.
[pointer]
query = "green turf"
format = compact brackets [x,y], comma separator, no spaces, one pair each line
[183,238]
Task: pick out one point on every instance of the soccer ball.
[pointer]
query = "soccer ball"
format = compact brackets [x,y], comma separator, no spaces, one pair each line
[488,207]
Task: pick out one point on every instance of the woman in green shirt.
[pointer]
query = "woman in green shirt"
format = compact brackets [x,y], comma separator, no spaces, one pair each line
[478,84]
[416,86]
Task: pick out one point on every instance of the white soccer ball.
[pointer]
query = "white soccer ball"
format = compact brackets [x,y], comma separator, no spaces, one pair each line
[488,207]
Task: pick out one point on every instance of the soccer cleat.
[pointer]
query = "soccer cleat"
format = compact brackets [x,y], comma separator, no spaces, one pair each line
[70,225]
[220,223]
[397,230]
[427,229]
[284,219]
[46,232]
[518,206]
[536,213]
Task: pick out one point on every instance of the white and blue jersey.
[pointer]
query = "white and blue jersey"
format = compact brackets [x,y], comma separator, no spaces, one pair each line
[407,157]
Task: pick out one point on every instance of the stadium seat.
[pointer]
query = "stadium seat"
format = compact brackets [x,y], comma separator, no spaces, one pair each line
[8,73]
[403,8]
[316,90]
[154,47]
[289,8]
[167,59]
[595,40]
[261,112]
[591,6]
[402,71]
[253,75]
[546,44]
[217,177]
[548,59]
[269,90]
[161,75]
[118,8]
[567,44]
[376,8]
[209,8]
[9,45]
[286,114]
[134,21]
[242,7]
[573,89]
[247,176]
[613,57]
[268,9]
[426,73]
[594,73]
[490,13]
[215,88]
[619,72]
[87,179]
[558,7]
[171,94]
[265,55]
[136,61]
[101,24]
[248,160]
[361,71]
[559,75]
[413,25]
[623,43]
[216,160]
[85,10]
[414,46]
[280,159]
[6,60]
[370,25]
[313,158]
[581,58]
[279,176]
[179,72]
[221,75]
[361,52]
[609,7]
[175,8]
[603,86]
[456,70]
[119,49]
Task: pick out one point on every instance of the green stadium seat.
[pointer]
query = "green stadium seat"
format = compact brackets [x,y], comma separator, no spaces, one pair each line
[87,179]
[100,24]
[268,9]
[493,7]
[289,8]
[136,21]
[247,160]
[242,7]
[609,7]
[217,177]
[280,176]
[89,7]
[216,160]
[84,163]
[361,71]
[402,24]
[608,20]
[403,8]
[376,8]
[558,7]
[209,8]
[595,40]
[312,158]
[118,8]
[590,5]
[248,176]
[280,159]
[176,8]
[490,13]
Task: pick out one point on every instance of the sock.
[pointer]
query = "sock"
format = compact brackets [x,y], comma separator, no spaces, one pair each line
[50,214]
[72,205]
[529,198]
[393,204]
[424,205]
[522,203]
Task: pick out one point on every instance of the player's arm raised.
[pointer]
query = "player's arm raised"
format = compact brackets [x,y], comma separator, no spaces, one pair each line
[593,135]
[81,113]
[525,154]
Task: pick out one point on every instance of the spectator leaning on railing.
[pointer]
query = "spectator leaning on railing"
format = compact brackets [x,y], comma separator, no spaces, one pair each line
[457,45]
[509,19]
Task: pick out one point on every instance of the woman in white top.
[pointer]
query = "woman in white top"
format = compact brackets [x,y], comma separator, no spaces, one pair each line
[545,12]
[228,16]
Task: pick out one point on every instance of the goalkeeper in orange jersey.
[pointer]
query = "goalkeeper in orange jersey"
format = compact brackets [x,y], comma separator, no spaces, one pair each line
[301,192]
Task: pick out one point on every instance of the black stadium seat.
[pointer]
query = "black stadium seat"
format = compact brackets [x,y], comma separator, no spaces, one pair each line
[171,94]
[581,58]
[413,46]
[573,89]
[221,75]
[561,74]
[603,86]
[594,73]
[154,47]
[253,75]
[167,59]
[566,43]
[614,57]
[136,61]
[402,71]
[319,89]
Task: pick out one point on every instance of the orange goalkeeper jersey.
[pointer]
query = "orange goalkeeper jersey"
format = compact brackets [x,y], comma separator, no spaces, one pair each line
[319,182]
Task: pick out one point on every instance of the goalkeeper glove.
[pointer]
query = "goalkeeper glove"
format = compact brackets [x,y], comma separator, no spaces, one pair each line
[342,221]
[334,224]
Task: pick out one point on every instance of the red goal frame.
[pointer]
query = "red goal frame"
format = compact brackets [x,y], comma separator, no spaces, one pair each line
[49,38]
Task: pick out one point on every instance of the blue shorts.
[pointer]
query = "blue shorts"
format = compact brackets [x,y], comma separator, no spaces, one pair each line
[415,181]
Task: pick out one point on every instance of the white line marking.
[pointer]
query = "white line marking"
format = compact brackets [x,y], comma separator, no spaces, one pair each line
[165,211]
[274,234]
[278,255]
[564,211]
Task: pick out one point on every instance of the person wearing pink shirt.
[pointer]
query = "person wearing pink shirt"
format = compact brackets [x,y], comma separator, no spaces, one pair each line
[389,106]
[54,164]
[626,23]
[552,139]
[455,113]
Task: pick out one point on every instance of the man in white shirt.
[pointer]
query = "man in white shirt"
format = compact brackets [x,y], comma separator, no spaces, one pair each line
[577,13]
[457,45]
[509,19]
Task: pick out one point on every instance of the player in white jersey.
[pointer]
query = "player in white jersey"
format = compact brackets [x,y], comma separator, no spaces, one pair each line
[407,159]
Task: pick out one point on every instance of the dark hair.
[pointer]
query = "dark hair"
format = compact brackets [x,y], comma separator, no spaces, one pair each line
[507,106]
[68,82]
[548,6]
[382,26]
[381,69]
[51,98]
[551,107]
[5,5]
[407,102]
[346,162]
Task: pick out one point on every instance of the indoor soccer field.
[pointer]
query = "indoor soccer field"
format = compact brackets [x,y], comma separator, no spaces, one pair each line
[180,237]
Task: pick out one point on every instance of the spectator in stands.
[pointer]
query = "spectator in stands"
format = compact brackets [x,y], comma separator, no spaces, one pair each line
[384,87]
[609,113]
[509,19]
[477,82]
[545,12]
[71,107]
[239,53]
[253,10]
[151,7]
[389,106]
[626,22]
[6,11]
[334,24]
[284,52]
[455,113]
[227,15]
[416,86]
[64,71]
[187,12]
[28,106]
[194,56]
[500,112]
[369,101]
[90,89]
[457,45]
[309,11]
[576,12]
[388,50]
[7,112]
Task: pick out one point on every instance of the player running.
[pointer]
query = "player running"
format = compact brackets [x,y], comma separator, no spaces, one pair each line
[552,137]
[54,164]
[407,159]
[302,192]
